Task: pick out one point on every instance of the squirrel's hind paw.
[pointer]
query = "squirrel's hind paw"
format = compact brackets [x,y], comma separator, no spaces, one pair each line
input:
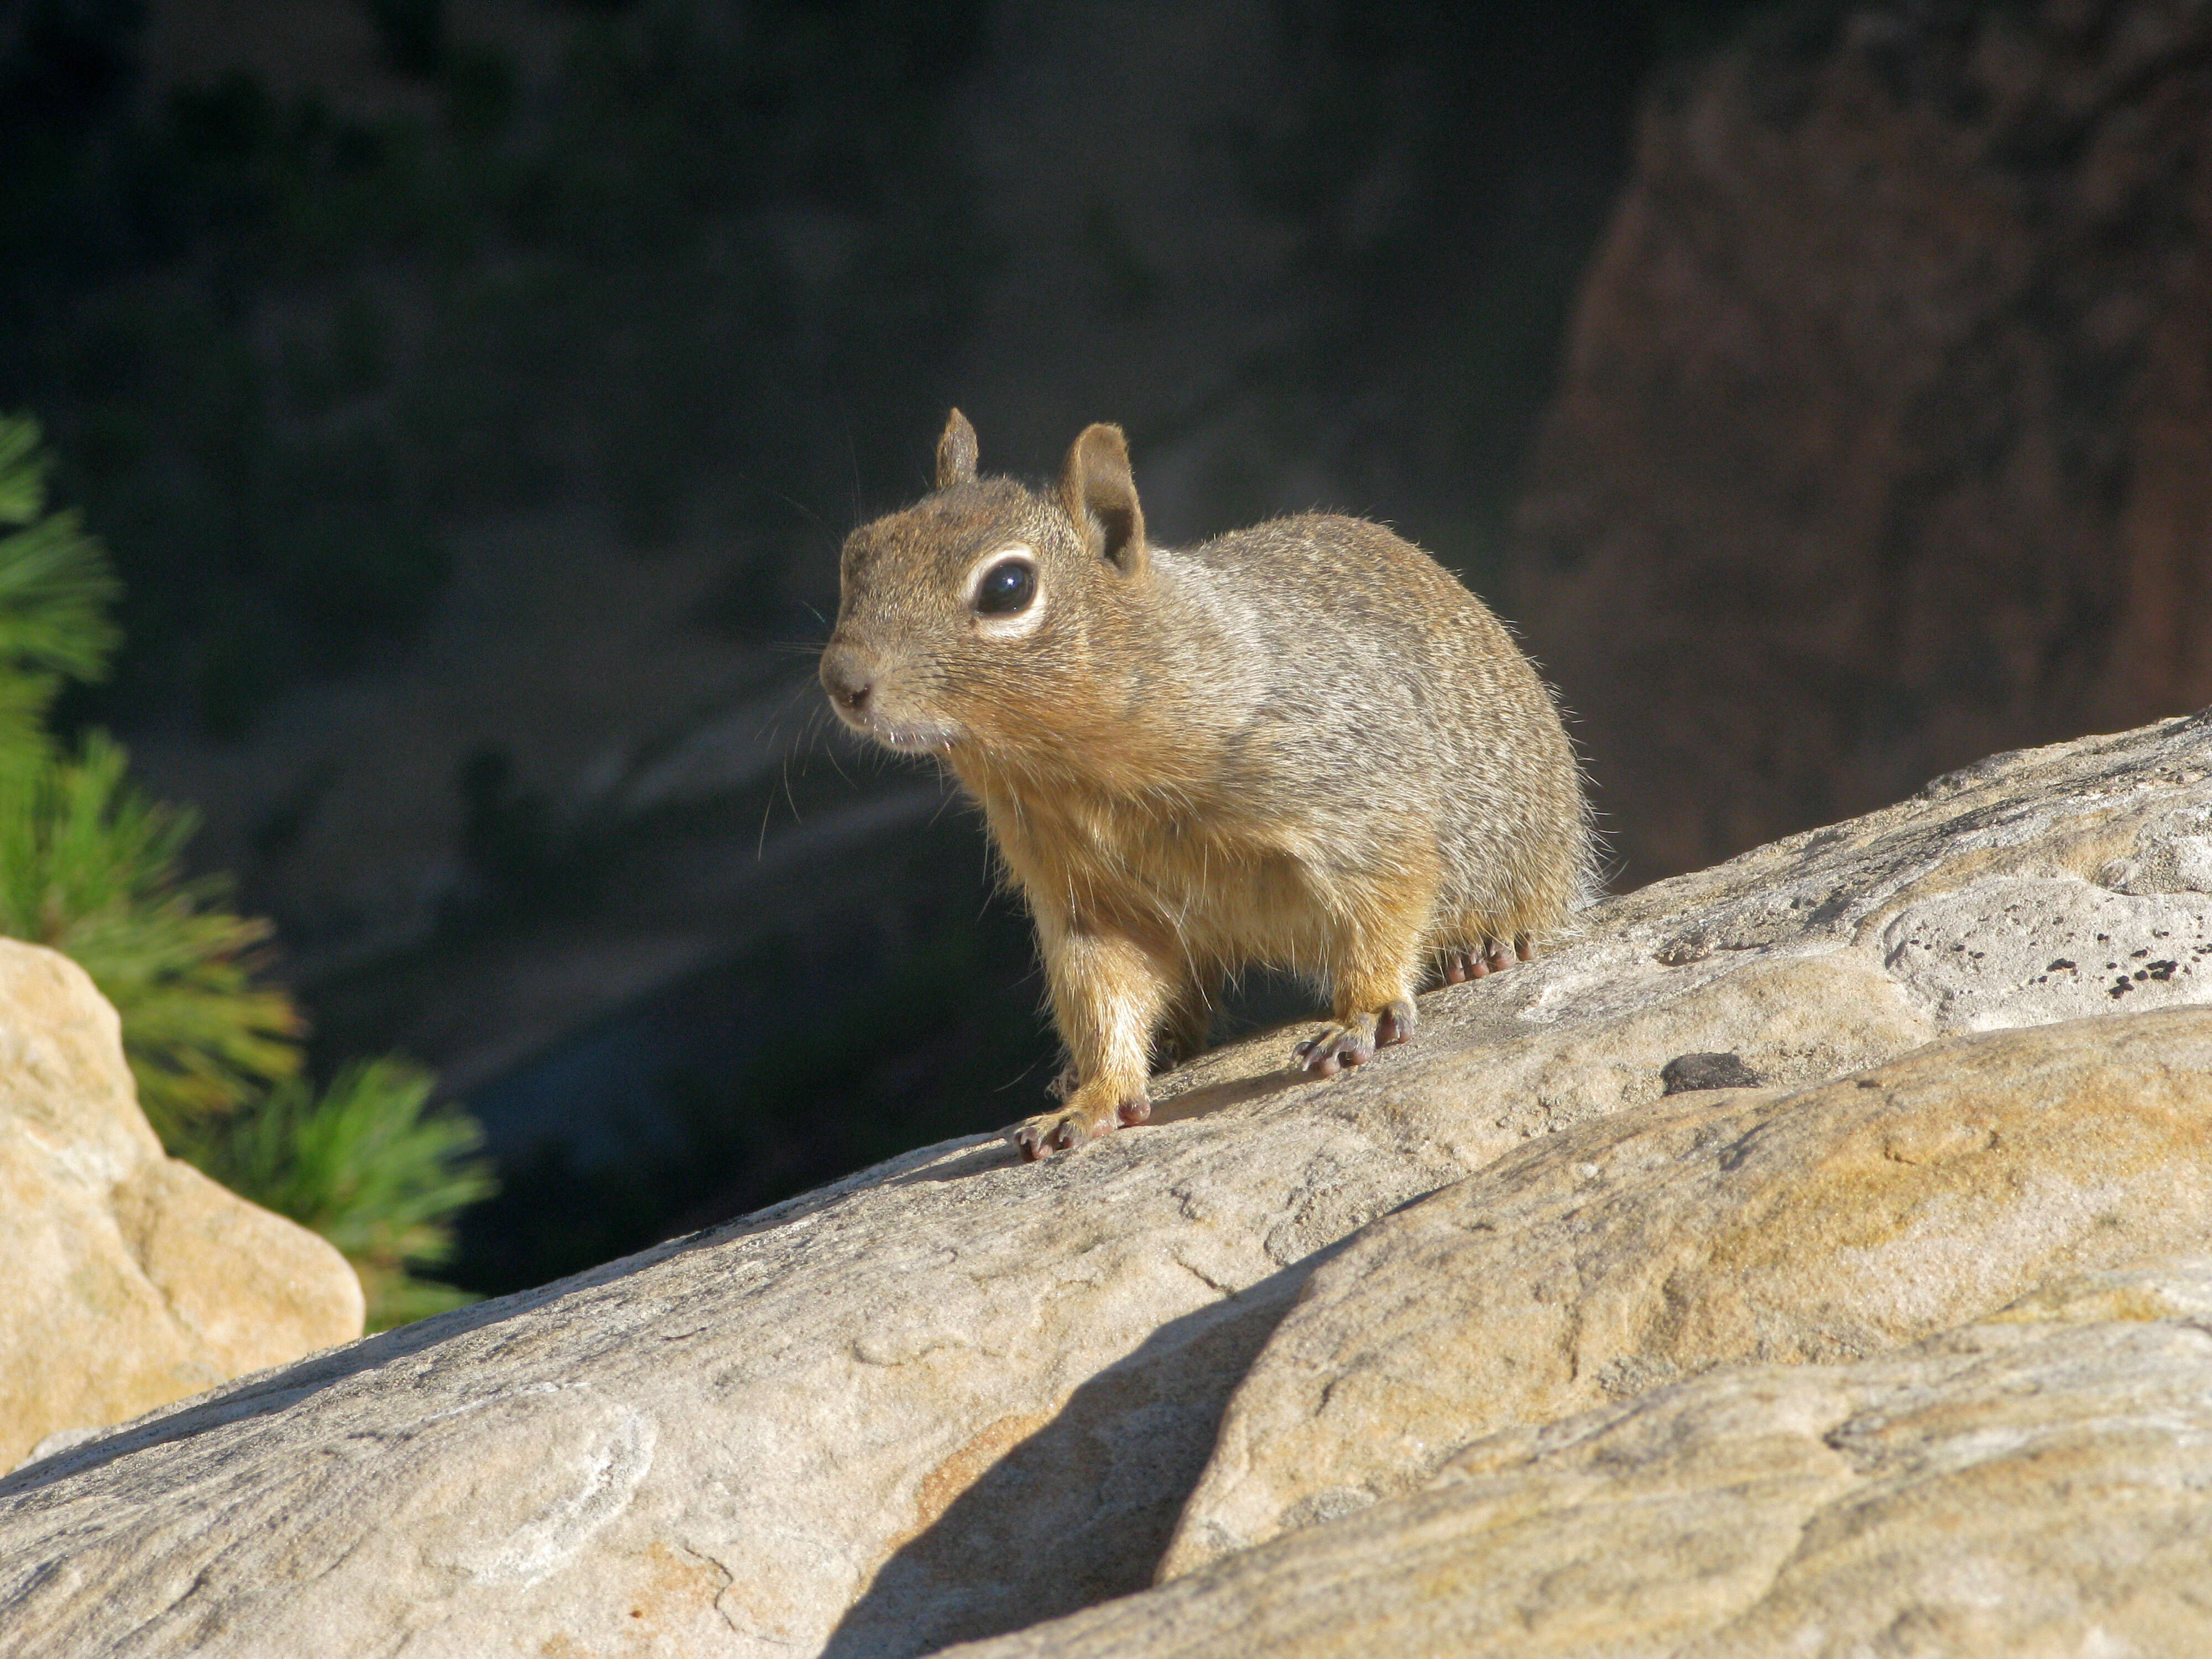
[1490,957]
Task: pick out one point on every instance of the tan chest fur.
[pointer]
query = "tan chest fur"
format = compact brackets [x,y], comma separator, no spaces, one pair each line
[1194,876]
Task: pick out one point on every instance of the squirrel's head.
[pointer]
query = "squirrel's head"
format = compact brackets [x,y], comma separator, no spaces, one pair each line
[972,617]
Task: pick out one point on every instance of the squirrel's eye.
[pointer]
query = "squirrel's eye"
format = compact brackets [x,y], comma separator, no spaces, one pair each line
[1006,588]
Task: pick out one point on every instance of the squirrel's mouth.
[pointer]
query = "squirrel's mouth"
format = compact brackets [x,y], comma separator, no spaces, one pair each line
[912,739]
[908,737]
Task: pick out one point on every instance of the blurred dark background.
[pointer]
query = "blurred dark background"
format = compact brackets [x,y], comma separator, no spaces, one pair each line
[473,395]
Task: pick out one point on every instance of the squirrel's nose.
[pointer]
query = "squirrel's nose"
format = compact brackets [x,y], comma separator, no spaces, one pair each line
[848,677]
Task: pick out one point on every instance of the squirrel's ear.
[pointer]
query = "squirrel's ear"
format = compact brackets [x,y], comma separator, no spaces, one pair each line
[1099,495]
[956,453]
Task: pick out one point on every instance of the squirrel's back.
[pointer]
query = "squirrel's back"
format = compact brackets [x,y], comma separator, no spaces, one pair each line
[1378,678]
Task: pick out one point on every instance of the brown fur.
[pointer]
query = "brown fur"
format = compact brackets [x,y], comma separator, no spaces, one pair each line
[1302,746]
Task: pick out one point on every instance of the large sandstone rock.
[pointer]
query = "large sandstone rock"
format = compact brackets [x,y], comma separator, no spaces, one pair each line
[1822,1224]
[954,1396]
[132,1279]
[2031,1485]
[1881,435]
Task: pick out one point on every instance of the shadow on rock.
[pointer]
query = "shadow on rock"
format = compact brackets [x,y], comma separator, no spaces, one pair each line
[1080,1511]
[1212,1097]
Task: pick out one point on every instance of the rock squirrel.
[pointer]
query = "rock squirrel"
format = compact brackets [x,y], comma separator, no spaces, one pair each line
[1302,746]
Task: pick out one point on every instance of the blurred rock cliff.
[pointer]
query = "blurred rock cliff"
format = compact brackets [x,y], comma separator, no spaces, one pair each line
[1885,434]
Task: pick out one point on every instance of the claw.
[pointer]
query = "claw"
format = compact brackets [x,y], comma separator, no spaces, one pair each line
[1339,1046]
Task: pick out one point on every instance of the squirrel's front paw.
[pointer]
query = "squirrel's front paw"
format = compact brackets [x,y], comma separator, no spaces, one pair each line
[1353,1041]
[1065,1130]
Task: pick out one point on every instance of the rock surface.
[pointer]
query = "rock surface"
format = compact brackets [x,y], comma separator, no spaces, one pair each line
[2033,1484]
[954,1396]
[132,1278]
[1825,1224]
[1880,439]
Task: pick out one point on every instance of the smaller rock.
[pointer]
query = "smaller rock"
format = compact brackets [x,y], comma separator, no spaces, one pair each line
[132,1278]
[1689,1073]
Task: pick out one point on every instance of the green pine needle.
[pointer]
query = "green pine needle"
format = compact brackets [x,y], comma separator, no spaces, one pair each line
[90,867]
[56,587]
[22,470]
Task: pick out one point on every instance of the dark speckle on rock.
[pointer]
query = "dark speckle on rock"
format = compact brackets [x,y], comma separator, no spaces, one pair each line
[1686,1073]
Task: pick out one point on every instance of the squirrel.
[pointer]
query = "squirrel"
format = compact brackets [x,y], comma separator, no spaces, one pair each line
[1302,746]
